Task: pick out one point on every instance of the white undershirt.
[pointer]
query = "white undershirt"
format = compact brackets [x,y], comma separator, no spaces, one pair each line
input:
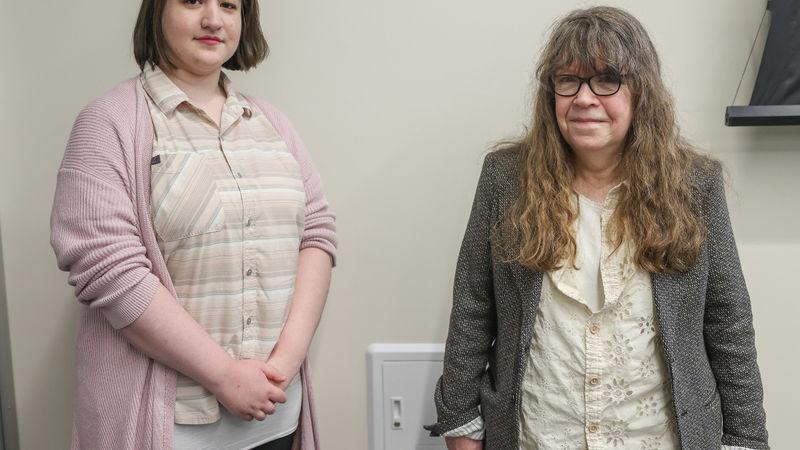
[233,433]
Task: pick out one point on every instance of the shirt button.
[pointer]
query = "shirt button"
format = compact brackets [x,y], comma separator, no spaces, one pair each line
[249,320]
[594,329]
[594,381]
[593,428]
[249,222]
[249,272]
[238,174]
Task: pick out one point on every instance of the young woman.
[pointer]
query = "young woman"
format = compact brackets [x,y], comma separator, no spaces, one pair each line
[198,238]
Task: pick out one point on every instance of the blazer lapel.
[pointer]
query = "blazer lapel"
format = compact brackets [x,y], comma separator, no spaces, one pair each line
[667,297]
[529,290]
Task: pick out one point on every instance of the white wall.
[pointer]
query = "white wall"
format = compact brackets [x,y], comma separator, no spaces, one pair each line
[398,102]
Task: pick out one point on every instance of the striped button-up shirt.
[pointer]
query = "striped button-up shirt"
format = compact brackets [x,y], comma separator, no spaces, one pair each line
[229,206]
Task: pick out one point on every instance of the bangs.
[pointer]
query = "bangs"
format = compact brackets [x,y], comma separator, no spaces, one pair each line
[588,43]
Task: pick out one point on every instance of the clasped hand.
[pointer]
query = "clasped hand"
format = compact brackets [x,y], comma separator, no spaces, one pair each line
[249,389]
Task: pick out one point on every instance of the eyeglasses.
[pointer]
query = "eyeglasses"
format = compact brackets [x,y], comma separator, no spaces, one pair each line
[602,84]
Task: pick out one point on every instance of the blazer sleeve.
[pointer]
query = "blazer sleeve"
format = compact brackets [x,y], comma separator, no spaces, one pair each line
[472,318]
[94,225]
[728,328]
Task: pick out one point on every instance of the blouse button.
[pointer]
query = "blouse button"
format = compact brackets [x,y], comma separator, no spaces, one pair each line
[238,174]
[249,272]
[593,428]
[594,329]
[594,381]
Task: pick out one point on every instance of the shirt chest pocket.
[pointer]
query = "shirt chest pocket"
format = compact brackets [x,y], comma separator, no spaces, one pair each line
[185,196]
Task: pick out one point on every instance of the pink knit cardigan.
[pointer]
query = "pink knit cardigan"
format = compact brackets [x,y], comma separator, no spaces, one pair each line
[102,233]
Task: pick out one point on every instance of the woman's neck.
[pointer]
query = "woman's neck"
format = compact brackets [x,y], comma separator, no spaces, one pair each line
[200,88]
[594,177]
[204,90]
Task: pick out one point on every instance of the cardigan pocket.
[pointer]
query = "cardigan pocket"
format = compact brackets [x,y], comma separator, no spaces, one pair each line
[185,196]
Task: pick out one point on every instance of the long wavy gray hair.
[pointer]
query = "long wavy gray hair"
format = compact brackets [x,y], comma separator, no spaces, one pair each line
[657,210]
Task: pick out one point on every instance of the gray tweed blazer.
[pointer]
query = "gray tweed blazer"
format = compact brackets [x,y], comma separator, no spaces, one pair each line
[704,315]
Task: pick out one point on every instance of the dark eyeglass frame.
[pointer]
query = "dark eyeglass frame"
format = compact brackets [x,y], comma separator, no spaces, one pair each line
[588,81]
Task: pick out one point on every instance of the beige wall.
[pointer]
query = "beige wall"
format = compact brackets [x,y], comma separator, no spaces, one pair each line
[398,102]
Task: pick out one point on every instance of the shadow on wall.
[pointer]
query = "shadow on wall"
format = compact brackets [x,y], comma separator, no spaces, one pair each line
[9,436]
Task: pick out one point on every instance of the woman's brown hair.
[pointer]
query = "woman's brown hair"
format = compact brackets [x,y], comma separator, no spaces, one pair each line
[657,212]
[149,45]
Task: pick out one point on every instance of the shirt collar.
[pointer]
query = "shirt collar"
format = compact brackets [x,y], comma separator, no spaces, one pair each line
[607,205]
[162,90]
[234,103]
[613,196]
[167,96]
[617,261]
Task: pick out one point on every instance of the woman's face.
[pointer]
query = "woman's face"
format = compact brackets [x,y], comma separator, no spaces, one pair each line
[593,124]
[201,34]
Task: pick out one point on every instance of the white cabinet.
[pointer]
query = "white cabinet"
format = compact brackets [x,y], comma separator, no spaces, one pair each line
[402,379]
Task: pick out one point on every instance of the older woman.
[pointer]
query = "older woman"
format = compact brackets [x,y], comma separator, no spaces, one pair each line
[196,233]
[599,301]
